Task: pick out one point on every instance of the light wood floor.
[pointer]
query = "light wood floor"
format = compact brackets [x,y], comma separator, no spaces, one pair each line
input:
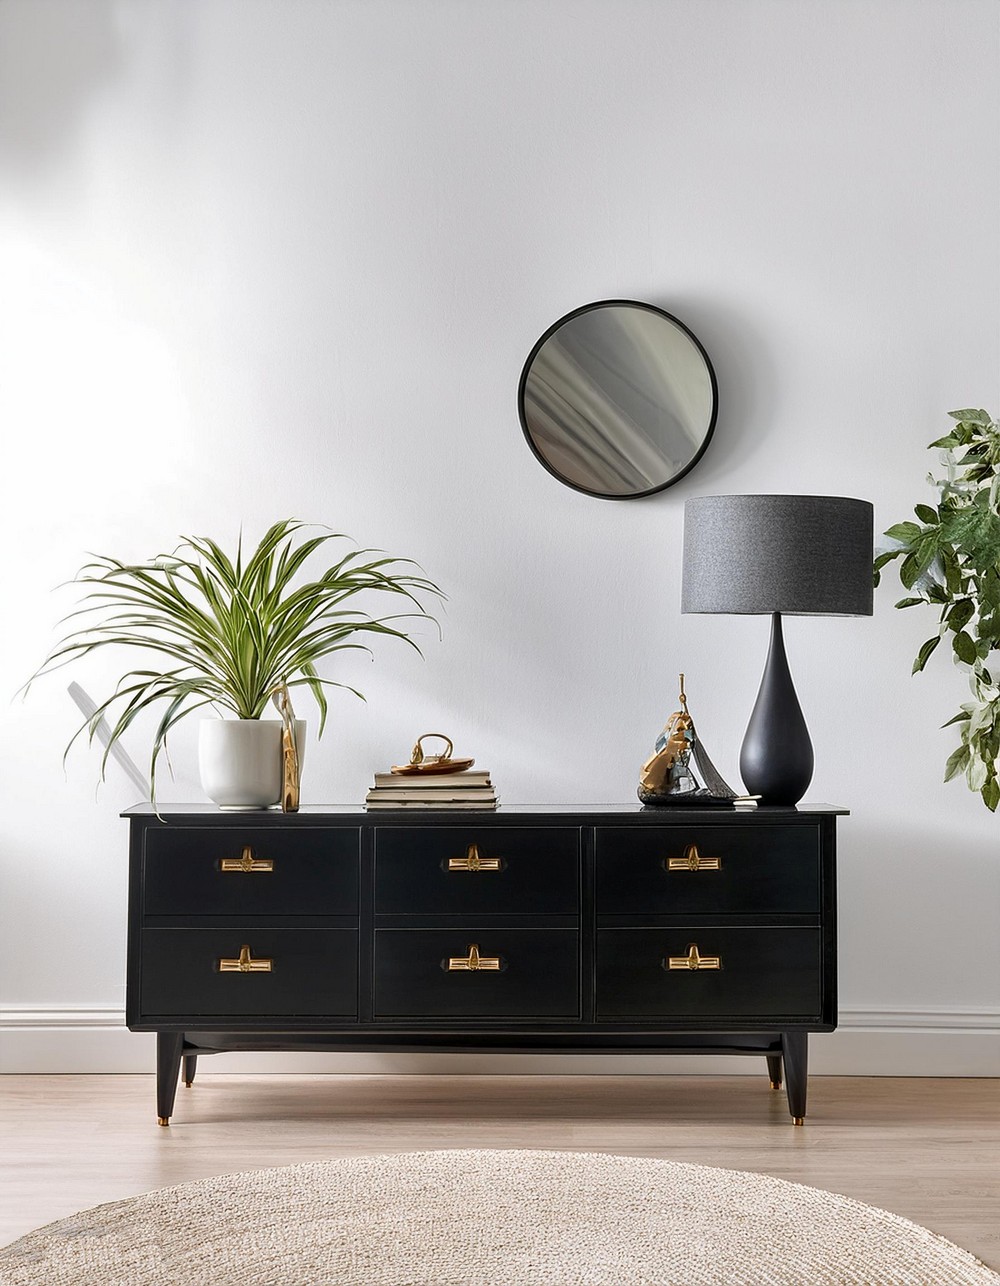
[927,1149]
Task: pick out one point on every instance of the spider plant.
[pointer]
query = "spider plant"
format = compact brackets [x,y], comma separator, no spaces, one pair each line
[228,632]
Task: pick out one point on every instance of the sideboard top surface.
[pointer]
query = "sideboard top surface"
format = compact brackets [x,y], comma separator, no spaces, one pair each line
[575,815]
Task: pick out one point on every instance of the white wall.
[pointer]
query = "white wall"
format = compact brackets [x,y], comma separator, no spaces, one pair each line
[263,258]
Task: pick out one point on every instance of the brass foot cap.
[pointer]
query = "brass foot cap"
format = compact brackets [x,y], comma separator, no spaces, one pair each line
[775,1085]
[798,1120]
[163,1120]
[188,1084]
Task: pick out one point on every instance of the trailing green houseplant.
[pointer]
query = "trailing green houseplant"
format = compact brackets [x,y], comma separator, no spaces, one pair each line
[950,559]
[228,632]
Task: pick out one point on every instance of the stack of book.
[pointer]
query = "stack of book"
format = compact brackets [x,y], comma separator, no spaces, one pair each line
[413,791]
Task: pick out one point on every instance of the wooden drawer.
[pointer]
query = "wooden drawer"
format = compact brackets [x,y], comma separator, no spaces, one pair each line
[760,868]
[313,871]
[764,974]
[313,972]
[538,977]
[537,870]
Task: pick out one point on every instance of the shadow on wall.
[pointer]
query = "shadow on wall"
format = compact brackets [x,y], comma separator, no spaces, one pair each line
[55,57]
[747,376]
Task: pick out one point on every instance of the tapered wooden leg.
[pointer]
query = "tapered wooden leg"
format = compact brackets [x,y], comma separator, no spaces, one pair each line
[795,1055]
[774,1070]
[190,1067]
[169,1045]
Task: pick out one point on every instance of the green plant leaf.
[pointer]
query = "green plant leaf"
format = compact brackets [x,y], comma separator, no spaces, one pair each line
[880,561]
[926,551]
[909,602]
[917,562]
[991,794]
[988,628]
[989,587]
[976,772]
[981,716]
[961,717]
[961,614]
[957,762]
[909,570]
[964,647]
[925,650]
[907,532]
[972,416]
[926,514]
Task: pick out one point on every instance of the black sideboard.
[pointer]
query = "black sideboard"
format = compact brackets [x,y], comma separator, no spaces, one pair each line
[617,929]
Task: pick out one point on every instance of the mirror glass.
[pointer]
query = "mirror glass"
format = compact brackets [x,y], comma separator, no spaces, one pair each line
[618,399]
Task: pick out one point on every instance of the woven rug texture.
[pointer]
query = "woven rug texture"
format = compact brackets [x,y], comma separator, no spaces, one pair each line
[478,1218]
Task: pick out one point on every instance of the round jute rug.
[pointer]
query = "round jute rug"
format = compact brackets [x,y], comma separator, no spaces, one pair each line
[519,1218]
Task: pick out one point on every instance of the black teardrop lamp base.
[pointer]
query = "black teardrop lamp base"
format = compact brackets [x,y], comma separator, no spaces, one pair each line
[776,759]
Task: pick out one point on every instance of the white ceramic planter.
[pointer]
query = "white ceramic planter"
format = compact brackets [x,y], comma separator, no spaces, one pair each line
[240,760]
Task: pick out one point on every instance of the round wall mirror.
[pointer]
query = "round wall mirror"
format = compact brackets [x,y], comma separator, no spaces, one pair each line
[618,399]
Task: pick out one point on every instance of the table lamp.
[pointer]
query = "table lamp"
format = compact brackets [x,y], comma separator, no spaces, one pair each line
[777,556]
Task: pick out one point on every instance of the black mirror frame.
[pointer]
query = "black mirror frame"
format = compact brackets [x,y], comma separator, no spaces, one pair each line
[618,303]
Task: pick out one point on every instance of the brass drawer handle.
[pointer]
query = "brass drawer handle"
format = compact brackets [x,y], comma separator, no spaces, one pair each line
[247,862]
[693,861]
[473,862]
[693,960]
[473,962]
[245,964]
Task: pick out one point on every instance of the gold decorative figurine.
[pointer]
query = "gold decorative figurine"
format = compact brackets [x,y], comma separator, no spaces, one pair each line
[289,751]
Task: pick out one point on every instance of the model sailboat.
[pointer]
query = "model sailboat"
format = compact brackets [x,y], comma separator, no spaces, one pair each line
[670,777]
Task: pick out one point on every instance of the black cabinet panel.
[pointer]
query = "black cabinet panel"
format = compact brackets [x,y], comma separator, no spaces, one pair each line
[538,975]
[763,973]
[500,870]
[760,869]
[313,972]
[313,870]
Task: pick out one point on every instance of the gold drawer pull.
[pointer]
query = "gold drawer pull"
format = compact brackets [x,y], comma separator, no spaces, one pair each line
[473,862]
[693,960]
[247,862]
[245,964]
[693,861]
[473,962]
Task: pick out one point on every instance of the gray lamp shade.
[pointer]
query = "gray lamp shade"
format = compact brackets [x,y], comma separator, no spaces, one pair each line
[798,555]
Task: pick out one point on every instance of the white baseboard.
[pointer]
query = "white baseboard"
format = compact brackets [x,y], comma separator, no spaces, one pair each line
[867,1043]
